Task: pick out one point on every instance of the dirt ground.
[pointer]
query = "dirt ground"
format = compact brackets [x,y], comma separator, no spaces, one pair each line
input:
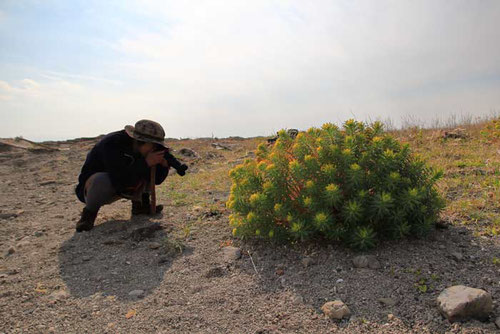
[53,280]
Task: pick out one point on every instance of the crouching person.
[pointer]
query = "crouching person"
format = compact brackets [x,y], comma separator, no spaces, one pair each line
[119,165]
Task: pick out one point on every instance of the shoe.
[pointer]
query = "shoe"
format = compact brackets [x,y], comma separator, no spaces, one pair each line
[86,222]
[144,207]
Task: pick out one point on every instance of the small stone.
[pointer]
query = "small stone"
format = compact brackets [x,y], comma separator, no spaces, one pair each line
[146,232]
[390,317]
[11,250]
[38,234]
[280,272]
[336,310]
[340,280]
[440,224]
[307,262]
[461,302]
[46,183]
[7,215]
[86,258]
[366,261]
[298,299]
[497,322]
[457,256]
[387,301]
[13,272]
[59,295]
[187,152]
[23,243]
[231,253]
[136,293]
[215,272]
[113,242]
[154,245]
[442,246]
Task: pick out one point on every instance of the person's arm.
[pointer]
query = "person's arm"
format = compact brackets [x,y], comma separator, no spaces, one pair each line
[125,169]
[161,173]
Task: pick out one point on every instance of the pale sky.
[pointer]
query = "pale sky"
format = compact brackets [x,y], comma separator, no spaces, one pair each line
[73,68]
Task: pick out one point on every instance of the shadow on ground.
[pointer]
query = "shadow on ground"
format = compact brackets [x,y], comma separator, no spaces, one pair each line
[412,274]
[116,258]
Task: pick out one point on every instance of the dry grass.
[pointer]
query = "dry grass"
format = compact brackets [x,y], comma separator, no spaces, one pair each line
[471,165]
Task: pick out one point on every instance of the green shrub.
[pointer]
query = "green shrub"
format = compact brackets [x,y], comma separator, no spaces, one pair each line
[357,185]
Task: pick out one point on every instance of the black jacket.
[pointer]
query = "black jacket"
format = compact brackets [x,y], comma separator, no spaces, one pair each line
[114,154]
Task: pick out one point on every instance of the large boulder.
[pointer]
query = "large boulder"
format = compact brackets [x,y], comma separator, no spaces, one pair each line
[460,302]
[336,310]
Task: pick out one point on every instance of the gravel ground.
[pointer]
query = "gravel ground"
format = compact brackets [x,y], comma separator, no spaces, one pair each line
[132,276]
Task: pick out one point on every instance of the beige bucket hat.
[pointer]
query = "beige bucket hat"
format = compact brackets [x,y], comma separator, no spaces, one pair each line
[147,131]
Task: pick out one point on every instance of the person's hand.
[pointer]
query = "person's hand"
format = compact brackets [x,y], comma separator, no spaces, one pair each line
[164,163]
[154,158]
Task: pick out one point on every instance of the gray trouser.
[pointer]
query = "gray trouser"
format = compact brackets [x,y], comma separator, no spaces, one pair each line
[99,191]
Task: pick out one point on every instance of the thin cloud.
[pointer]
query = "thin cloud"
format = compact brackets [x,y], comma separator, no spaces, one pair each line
[54,75]
[250,68]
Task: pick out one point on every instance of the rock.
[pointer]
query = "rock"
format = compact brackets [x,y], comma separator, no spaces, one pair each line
[340,280]
[336,310]
[219,146]
[387,301]
[46,183]
[231,253]
[7,215]
[366,261]
[215,272]
[136,293]
[461,302]
[112,242]
[146,232]
[154,245]
[13,272]
[457,256]
[11,250]
[86,258]
[23,243]
[298,299]
[390,317]
[457,133]
[280,272]
[307,262]
[59,295]
[497,322]
[187,152]
[440,224]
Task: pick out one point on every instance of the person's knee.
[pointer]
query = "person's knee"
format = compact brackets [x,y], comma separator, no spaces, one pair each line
[100,191]
[100,187]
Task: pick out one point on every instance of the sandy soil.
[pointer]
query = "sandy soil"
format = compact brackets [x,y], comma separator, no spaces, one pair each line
[53,280]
